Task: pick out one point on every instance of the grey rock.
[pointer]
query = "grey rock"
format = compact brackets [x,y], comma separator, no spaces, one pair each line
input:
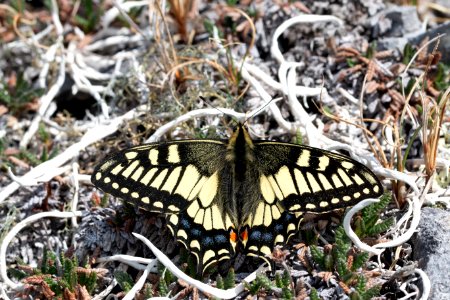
[444,44]
[397,21]
[392,43]
[431,249]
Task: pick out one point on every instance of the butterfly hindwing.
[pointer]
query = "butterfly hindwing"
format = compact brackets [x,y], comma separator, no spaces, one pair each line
[205,235]
[262,238]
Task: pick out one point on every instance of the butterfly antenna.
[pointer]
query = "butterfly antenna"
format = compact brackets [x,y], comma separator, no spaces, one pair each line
[218,109]
[262,108]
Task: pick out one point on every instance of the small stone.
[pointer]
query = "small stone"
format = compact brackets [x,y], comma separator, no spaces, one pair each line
[431,249]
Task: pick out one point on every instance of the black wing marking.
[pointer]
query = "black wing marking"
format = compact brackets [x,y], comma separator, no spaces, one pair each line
[182,180]
[206,235]
[306,179]
[262,238]
[160,177]
[294,179]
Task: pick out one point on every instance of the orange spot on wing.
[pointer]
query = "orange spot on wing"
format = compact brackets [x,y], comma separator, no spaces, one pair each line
[244,235]
[233,236]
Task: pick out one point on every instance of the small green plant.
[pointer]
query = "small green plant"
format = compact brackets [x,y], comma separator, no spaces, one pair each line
[209,27]
[17,97]
[261,282]
[369,224]
[165,280]
[231,2]
[408,53]
[124,280]
[56,275]
[314,295]
[442,79]
[163,288]
[104,200]
[90,15]
[18,5]
[342,259]
[219,284]
[35,159]
[148,291]
[362,293]
[298,138]
[284,282]
[230,279]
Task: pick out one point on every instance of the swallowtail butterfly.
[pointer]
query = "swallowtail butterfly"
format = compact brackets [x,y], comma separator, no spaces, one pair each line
[217,195]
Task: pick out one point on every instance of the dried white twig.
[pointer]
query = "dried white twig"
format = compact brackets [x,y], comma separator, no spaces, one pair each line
[54,90]
[46,99]
[275,49]
[114,11]
[138,263]
[106,291]
[3,293]
[426,284]
[53,165]
[15,230]
[258,87]
[349,231]
[76,185]
[156,136]
[223,294]
[300,91]
[140,283]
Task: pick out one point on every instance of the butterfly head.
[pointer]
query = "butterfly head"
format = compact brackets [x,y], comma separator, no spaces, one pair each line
[240,145]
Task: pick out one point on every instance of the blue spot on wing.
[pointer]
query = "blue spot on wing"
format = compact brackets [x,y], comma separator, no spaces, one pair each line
[220,239]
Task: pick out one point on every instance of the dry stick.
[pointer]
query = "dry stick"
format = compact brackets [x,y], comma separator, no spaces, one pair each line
[223,294]
[380,153]
[3,294]
[109,16]
[286,66]
[13,233]
[91,136]
[156,136]
[426,284]
[76,184]
[106,291]
[48,98]
[82,83]
[286,71]
[276,113]
[300,114]
[304,91]
[140,283]
[139,263]
[125,15]
[259,89]
[393,243]
[346,223]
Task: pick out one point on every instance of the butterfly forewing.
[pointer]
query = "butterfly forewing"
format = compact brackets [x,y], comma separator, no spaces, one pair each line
[294,179]
[160,177]
[181,180]
[306,179]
